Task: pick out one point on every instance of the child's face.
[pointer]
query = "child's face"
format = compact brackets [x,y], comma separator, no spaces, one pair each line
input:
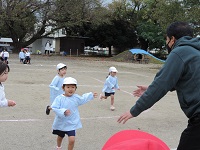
[4,76]
[62,72]
[69,89]
[113,74]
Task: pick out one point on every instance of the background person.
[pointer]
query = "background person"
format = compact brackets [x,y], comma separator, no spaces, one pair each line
[181,73]
[47,48]
[5,55]
[21,56]
[27,56]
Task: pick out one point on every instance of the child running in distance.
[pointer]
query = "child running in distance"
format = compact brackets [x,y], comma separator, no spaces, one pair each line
[56,84]
[110,85]
[4,69]
[65,106]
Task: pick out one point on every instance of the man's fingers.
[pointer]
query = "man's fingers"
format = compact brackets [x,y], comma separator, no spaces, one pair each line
[123,118]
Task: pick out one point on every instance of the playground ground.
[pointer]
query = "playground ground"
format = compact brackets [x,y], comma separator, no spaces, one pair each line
[26,126]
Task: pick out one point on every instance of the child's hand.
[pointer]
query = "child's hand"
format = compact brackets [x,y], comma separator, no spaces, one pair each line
[95,94]
[11,103]
[67,113]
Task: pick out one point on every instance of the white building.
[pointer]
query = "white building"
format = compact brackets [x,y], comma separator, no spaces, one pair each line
[7,43]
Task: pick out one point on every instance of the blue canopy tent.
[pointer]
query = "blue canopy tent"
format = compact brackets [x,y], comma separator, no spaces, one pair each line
[141,51]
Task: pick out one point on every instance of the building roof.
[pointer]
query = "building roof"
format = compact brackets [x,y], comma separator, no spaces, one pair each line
[7,40]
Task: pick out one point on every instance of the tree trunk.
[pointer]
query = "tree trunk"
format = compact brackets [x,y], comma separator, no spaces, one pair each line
[17,47]
[144,44]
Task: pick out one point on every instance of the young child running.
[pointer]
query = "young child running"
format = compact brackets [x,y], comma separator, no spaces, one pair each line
[67,118]
[110,85]
[4,69]
[56,84]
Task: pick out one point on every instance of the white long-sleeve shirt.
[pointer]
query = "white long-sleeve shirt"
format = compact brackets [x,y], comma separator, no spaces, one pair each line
[63,103]
[5,54]
[28,54]
[3,100]
[48,46]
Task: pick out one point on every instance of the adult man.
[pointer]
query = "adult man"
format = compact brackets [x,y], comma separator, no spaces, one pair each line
[47,48]
[181,72]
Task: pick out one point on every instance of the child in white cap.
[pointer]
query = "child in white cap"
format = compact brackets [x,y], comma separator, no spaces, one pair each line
[110,85]
[4,69]
[56,84]
[67,118]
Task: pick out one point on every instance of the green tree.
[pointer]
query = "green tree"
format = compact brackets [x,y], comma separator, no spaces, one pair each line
[158,14]
[23,21]
[28,20]
[77,16]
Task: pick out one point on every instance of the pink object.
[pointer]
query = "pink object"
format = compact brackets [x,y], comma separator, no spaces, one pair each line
[134,140]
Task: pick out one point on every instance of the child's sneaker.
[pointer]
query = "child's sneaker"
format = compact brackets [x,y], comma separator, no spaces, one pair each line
[47,110]
[58,148]
[112,108]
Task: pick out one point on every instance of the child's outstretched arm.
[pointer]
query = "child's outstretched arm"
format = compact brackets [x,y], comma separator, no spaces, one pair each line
[54,83]
[86,97]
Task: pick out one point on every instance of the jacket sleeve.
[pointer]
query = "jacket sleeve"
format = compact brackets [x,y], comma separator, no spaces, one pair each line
[116,85]
[85,98]
[164,81]
[3,100]
[54,83]
[56,107]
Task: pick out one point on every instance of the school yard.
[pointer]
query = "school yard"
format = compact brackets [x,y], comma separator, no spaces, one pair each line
[27,127]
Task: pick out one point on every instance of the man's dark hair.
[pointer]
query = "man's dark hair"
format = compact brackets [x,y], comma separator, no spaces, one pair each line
[3,67]
[179,29]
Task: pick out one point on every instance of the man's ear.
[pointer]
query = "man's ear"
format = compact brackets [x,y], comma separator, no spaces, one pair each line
[173,39]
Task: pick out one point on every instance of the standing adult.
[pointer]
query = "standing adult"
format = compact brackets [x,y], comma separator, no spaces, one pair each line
[181,72]
[47,47]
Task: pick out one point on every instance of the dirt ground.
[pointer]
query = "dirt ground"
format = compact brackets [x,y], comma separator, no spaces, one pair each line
[27,127]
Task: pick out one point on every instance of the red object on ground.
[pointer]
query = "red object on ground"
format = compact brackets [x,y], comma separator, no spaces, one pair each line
[134,140]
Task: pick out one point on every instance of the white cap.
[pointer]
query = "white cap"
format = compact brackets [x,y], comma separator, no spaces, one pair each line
[69,80]
[60,65]
[112,69]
